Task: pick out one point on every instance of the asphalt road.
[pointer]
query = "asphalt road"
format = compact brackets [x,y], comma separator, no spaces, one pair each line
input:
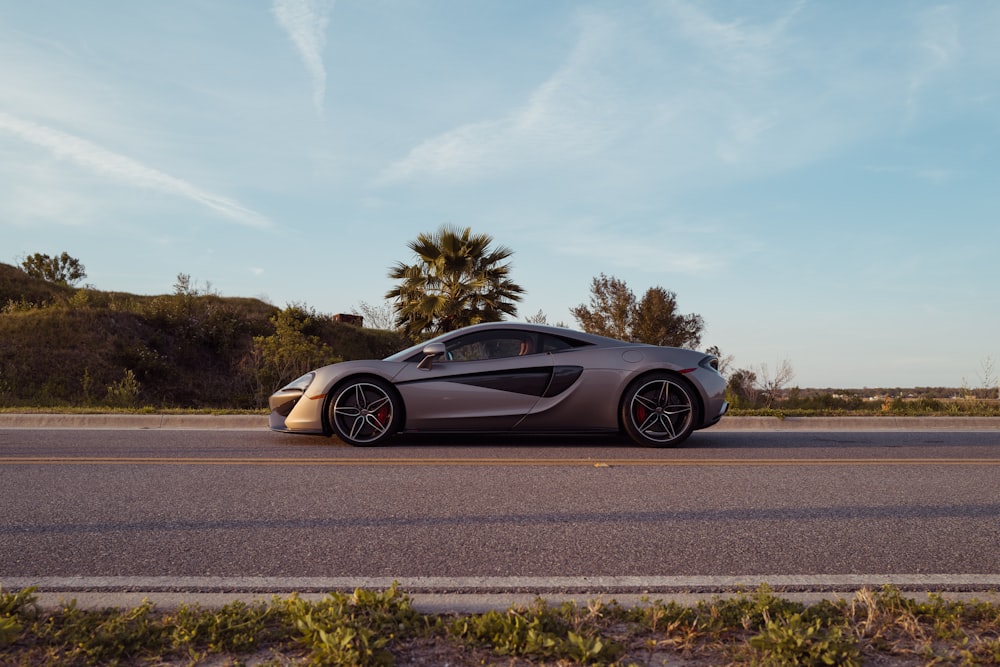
[139,509]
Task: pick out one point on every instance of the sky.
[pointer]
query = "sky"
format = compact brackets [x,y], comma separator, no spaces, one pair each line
[819,180]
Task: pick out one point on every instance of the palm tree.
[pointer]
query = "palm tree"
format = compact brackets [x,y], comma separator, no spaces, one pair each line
[457,280]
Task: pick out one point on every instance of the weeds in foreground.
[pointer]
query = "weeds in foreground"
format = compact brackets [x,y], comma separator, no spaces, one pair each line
[538,631]
[356,629]
[369,628]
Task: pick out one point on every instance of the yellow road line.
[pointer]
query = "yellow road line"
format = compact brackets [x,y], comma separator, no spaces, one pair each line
[346,462]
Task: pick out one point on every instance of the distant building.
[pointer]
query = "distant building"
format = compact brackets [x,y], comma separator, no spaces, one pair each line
[356,320]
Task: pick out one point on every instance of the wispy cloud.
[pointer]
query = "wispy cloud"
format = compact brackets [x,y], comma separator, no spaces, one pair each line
[646,254]
[123,169]
[566,117]
[665,247]
[743,47]
[940,48]
[306,21]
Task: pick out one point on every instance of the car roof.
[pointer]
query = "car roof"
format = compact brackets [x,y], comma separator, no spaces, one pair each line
[579,336]
[593,339]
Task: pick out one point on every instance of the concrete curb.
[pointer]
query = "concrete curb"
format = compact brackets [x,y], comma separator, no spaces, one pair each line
[133,421]
[259,423]
[858,424]
[479,594]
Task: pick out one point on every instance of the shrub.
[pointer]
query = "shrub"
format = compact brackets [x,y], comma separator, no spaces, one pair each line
[354,629]
[536,632]
[794,641]
[125,392]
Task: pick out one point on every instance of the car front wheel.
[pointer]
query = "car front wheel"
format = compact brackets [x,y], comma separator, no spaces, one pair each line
[659,410]
[364,412]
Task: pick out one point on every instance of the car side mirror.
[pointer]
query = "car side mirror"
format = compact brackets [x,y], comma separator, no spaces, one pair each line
[431,351]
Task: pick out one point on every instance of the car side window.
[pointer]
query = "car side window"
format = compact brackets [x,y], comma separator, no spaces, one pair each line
[548,343]
[486,345]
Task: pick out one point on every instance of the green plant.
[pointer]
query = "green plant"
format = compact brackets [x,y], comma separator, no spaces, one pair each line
[103,637]
[538,631]
[10,628]
[794,641]
[287,353]
[125,392]
[15,607]
[354,629]
[236,627]
[21,305]
[378,628]
[87,387]
[62,269]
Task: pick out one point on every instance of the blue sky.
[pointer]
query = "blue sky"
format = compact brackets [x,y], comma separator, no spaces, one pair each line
[817,180]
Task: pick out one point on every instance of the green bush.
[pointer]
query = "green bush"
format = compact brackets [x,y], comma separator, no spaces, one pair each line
[354,630]
[15,608]
[536,632]
[234,628]
[125,392]
[793,641]
[78,636]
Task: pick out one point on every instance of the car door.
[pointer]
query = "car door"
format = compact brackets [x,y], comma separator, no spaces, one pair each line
[487,380]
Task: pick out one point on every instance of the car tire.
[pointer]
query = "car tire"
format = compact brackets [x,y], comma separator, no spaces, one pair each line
[659,410]
[364,411]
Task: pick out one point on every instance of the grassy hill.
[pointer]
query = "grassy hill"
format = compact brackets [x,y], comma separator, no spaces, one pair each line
[64,346]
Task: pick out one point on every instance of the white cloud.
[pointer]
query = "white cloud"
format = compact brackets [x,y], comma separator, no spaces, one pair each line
[749,49]
[939,47]
[105,162]
[567,117]
[306,21]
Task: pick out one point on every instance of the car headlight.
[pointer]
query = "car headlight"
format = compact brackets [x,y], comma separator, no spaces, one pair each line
[300,384]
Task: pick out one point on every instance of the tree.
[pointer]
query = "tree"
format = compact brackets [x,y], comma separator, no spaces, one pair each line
[615,312]
[537,318]
[742,388]
[988,377]
[287,353]
[612,304]
[541,318]
[377,316]
[657,321]
[771,384]
[62,270]
[457,280]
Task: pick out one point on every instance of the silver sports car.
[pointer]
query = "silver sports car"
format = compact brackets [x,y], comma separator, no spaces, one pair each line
[507,377]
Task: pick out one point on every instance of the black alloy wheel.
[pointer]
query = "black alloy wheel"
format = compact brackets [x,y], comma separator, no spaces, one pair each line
[659,410]
[364,411]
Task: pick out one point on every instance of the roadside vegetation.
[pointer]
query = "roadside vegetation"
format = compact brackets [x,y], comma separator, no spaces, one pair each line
[382,628]
[81,348]
[69,348]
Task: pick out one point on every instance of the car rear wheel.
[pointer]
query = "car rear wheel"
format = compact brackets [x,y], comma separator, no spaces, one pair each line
[659,410]
[364,411]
